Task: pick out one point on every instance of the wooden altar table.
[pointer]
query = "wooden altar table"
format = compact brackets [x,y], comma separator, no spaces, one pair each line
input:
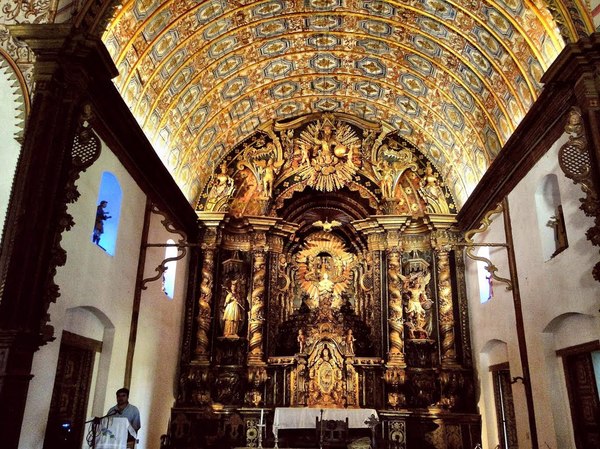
[305,418]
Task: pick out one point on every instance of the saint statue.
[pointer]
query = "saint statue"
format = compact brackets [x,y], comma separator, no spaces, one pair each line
[233,313]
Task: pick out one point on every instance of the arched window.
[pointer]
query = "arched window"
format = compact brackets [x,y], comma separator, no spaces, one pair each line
[169,275]
[483,276]
[551,223]
[108,211]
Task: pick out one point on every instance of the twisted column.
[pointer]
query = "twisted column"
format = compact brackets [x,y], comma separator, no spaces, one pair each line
[446,308]
[257,305]
[204,304]
[395,311]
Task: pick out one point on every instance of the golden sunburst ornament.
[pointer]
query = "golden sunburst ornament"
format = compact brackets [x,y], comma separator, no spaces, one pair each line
[324,268]
[330,147]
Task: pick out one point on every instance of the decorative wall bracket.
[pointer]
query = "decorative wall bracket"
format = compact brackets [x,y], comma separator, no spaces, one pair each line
[471,245]
[181,246]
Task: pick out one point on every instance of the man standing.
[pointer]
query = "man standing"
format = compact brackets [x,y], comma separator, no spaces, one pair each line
[126,410]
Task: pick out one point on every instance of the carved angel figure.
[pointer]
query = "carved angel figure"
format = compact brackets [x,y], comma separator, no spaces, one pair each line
[327,225]
[330,143]
[417,305]
[221,190]
[432,193]
[386,183]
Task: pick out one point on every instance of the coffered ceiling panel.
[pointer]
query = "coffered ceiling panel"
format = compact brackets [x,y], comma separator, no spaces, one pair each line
[453,77]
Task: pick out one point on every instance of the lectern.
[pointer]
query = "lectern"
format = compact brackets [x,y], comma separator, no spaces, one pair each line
[109,433]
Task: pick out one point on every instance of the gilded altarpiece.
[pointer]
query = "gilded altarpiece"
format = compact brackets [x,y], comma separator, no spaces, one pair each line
[330,277]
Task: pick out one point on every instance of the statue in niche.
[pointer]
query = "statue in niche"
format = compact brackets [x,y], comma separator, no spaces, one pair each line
[301,341]
[417,319]
[349,340]
[386,183]
[233,312]
[324,269]
[221,190]
[432,192]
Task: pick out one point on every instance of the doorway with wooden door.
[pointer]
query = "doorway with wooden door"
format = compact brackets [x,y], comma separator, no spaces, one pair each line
[66,419]
[582,372]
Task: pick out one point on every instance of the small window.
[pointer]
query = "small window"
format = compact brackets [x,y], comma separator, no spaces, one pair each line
[484,277]
[171,266]
[551,222]
[108,210]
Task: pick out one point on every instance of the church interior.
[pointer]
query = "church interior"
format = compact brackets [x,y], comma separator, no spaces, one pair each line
[301,223]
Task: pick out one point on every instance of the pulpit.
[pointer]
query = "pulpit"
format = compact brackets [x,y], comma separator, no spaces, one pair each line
[109,433]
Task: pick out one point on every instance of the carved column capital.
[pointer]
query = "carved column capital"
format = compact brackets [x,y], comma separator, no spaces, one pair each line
[77,56]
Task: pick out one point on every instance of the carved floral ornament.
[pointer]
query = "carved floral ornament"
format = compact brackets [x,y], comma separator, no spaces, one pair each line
[326,152]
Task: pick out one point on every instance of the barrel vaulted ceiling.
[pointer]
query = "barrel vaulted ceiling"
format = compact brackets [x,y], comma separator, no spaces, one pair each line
[454,77]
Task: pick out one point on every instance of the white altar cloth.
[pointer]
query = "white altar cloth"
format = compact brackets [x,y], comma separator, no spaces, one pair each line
[305,418]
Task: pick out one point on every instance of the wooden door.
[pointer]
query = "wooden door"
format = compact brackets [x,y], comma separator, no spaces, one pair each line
[68,407]
[583,398]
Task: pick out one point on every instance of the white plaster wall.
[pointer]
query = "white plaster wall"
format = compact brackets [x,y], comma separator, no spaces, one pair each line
[97,292]
[549,289]
[156,358]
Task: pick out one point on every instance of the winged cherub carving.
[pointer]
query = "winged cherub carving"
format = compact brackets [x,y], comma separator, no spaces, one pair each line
[327,225]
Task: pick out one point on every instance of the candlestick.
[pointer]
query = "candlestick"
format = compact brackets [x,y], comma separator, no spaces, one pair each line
[262,415]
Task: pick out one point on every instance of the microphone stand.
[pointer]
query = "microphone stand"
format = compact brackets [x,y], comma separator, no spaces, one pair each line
[95,421]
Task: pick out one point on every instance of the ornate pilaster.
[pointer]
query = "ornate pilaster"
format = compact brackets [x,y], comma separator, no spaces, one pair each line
[257,372]
[440,243]
[203,318]
[257,305]
[371,308]
[395,308]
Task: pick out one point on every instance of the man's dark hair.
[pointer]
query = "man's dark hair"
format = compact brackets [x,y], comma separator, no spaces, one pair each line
[123,390]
